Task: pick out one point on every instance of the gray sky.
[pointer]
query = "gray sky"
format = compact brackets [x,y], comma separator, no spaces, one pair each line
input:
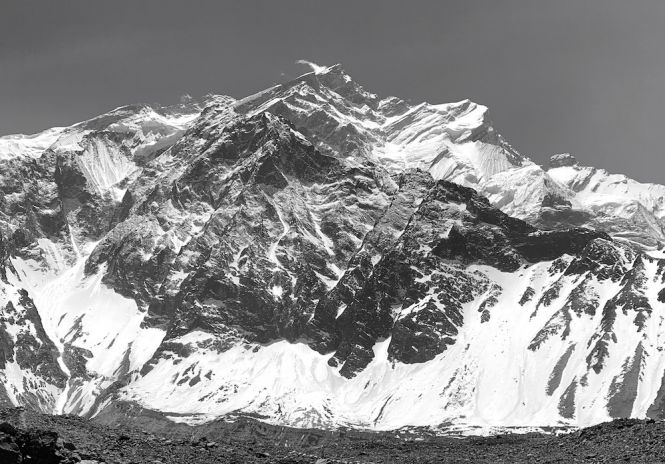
[579,76]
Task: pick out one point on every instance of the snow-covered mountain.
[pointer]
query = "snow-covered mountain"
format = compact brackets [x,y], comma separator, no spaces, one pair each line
[316,255]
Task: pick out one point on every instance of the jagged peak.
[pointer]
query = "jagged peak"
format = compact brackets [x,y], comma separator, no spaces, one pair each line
[188,104]
[322,81]
[336,79]
[561,160]
[263,126]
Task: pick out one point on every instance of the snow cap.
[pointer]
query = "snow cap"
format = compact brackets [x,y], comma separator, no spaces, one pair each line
[562,159]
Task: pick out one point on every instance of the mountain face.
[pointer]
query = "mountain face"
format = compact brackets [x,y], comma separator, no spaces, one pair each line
[315,255]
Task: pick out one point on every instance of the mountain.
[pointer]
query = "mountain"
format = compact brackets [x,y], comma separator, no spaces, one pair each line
[314,255]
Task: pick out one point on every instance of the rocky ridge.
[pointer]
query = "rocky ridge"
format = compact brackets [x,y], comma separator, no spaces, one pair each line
[326,247]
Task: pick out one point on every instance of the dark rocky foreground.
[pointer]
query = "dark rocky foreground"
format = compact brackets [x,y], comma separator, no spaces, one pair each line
[27,437]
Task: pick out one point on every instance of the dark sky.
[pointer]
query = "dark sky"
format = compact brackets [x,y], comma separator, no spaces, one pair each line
[579,76]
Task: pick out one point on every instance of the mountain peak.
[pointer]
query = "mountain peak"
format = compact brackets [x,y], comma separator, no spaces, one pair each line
[314,228]
[318,69]
[562,159]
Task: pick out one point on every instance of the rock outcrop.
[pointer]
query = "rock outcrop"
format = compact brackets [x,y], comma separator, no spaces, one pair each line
[319,256]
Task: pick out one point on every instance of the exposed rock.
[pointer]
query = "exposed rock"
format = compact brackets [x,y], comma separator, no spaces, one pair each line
[349,260]
[563,159]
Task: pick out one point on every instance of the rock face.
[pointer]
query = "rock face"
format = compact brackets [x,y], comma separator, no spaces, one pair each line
[319,256]
[562,160]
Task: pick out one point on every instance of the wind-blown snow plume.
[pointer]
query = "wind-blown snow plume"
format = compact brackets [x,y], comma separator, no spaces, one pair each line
[315,67]
[313,254]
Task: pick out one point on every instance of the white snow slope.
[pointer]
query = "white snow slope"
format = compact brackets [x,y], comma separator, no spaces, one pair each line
[533,363]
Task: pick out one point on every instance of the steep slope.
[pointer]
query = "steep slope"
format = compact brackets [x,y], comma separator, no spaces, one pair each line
[454,141]
[20,145]
[621,206]
[314,255]
[457,142]
[437,276]
[54,206]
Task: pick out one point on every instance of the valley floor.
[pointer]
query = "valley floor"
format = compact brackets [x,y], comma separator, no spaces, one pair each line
[250,441]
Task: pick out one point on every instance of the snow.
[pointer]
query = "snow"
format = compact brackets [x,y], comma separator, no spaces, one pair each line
[488,380]
[320,238]
[277,291]
[272,251]
[612,194]
[313,66]
[104,167]
[519,192]
[340,310]
[15,381]
[439,138]
[81,311]
[491,377]
[17,145]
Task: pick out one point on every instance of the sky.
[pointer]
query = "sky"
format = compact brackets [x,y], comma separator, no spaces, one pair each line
[584,77]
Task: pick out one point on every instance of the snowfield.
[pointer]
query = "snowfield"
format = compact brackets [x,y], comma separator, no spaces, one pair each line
[307,256]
